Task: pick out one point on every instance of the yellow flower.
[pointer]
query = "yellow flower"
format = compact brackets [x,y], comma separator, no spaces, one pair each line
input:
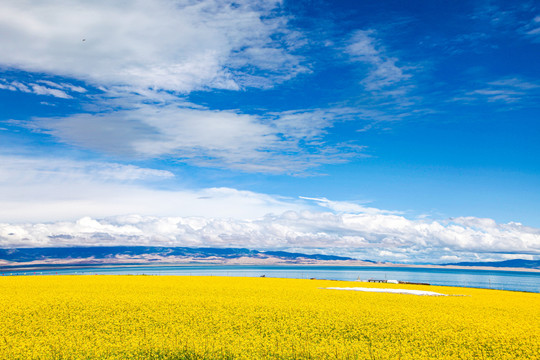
[177,317]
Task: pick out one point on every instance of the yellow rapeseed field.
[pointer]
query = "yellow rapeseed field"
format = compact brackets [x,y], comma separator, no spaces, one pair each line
[177,317]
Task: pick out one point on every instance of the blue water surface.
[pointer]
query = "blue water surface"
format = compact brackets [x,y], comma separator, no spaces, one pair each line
[489,279]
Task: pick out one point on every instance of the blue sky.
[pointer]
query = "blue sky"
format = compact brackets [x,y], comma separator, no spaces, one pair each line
[390,130]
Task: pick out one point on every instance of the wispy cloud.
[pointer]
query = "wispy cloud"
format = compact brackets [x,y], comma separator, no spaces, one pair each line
[515,83]
[511,90]
[532,29]
[517,18]
[33,169]
[63,86]
[347,206]
[383,70]
[469,42]
[42,88]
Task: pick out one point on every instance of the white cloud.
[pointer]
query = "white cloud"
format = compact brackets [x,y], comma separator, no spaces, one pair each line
[311,125]
[383,71]
[532,29]
[288,142]
[70,87]
[53,189]
[346,206]
[519,19]
[43,90]
[141,55]
[24,170]
[173,45]
[372,236]
[493,95]
[509,90]
[59,202]
[52,89]
[515,83]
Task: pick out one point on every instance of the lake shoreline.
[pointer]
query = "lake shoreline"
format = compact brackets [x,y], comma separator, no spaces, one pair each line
[345,264]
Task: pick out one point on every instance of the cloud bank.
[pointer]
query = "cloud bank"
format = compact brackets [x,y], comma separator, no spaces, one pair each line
[362,235]
[60,202]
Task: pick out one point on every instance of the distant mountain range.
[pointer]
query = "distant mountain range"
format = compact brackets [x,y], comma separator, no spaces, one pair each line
[124,255]
[516,263]
[147,255]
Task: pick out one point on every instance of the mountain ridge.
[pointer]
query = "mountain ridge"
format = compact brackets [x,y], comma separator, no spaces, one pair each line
[152,254]
[514,263]
[138,255]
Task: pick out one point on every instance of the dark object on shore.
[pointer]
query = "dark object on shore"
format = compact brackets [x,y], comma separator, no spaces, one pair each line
[263,275]
[412,283]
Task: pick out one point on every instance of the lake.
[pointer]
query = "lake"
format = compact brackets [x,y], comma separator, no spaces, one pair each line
[490,279]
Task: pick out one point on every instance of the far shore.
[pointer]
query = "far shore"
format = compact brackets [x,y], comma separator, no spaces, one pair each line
[82,264]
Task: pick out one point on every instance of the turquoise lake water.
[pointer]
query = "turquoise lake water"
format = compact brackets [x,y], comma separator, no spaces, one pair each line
[499,279]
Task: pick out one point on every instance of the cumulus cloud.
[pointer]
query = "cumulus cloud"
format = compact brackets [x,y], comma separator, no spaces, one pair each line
[172,45]
[366,235]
